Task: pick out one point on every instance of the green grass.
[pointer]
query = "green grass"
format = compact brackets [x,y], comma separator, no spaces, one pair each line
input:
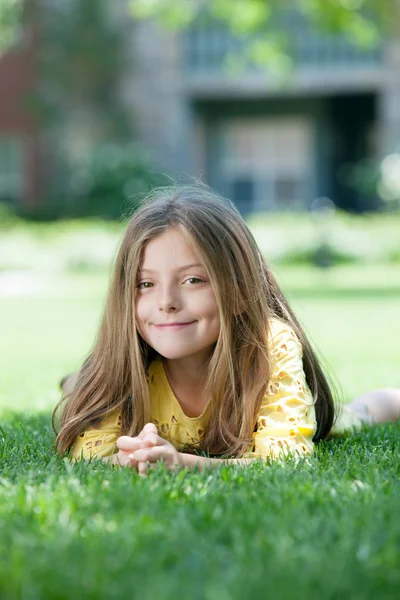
[326,527]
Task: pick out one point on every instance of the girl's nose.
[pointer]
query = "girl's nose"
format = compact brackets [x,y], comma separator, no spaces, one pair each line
[168,300]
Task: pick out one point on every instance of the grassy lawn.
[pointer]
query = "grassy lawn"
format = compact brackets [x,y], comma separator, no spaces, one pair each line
[326,527]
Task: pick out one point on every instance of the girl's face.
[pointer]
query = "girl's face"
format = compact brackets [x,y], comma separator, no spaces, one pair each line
[176,310]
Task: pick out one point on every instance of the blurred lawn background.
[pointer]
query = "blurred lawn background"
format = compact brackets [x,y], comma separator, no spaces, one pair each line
[54,277]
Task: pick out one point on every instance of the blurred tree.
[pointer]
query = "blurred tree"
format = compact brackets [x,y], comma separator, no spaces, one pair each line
[111,182]
[81,58]
[81,54]
[359,19]
[11,21]
[362,21]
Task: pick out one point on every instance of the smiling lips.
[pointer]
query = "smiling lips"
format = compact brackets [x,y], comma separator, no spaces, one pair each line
[172,326]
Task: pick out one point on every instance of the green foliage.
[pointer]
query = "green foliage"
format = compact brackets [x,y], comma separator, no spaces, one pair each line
[11,20]
[243,16]
[360,20]
[111,183]
[263,23]
[80,57]
[283,238]
[8,218]
[339,239]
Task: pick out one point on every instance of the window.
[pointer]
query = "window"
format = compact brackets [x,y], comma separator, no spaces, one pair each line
[266,163]
[12,168]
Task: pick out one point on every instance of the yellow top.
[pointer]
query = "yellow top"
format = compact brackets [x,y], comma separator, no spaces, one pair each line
[286,421]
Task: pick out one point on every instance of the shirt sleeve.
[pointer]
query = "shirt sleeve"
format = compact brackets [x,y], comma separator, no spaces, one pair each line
[286,423]
[98,442]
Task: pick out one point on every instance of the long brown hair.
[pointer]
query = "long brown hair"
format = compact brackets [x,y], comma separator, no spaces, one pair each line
[114,374]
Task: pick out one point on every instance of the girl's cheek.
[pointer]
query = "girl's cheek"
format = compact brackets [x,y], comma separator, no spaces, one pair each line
[139,316]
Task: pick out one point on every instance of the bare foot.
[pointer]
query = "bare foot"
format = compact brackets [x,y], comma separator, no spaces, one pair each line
[379,406]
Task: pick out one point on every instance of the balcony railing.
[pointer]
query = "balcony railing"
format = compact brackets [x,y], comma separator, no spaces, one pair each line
[208,49]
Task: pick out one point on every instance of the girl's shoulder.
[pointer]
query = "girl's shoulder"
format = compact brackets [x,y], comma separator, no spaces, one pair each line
[277,327]
[282,339]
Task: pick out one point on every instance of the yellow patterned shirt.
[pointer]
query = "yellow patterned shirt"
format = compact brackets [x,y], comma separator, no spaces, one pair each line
[286,421]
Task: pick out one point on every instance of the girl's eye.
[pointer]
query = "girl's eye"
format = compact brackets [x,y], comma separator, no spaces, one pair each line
[145,285]
[142,284]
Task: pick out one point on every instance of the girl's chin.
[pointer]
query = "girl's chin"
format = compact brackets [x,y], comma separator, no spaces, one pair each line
[170,355]
[178,351]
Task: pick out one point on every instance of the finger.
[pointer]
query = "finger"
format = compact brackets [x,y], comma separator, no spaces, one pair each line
[148,428]
[141,455]
[150,454]
[152,439]
[133,464]
[128,444]
[150,466]
[123,459]
[143,469]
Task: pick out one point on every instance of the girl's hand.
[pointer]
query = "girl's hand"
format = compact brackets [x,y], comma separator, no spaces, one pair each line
[147,457]
[126,445]
[147,449]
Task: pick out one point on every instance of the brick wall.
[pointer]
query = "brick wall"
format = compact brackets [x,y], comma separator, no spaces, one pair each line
[17,81]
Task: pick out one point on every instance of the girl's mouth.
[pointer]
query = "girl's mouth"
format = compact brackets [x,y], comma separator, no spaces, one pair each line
[172,326]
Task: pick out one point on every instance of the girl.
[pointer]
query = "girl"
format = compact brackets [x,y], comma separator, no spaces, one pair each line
[198,351]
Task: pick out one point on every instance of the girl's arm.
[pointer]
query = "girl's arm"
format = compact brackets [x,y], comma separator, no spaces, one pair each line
[98,442]
[286,422]
[159,449]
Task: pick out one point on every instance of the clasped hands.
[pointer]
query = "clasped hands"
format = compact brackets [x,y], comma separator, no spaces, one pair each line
[145,450]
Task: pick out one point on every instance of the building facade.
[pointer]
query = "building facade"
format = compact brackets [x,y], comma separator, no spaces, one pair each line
[267,146]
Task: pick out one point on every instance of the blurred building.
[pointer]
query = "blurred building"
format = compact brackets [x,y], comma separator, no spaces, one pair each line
[265,146]
[20,155]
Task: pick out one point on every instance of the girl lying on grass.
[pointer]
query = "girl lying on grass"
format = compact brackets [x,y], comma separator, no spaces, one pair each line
[199,356]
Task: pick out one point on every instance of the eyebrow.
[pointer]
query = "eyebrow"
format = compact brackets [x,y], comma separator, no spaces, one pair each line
[185,267]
